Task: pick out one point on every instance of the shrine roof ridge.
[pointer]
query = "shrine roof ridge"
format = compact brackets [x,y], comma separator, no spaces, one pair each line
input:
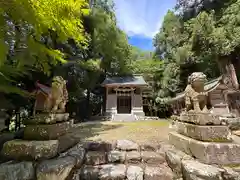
[125,80]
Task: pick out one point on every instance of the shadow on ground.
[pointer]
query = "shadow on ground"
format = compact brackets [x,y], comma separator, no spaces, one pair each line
[82,132]
[79,133]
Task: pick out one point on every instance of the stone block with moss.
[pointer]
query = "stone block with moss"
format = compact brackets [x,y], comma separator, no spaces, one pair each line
[207,152]
[46,131]
[47,118]
[204,133]
[30,150]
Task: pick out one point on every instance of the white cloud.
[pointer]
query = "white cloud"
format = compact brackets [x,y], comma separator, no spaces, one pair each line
[142,17]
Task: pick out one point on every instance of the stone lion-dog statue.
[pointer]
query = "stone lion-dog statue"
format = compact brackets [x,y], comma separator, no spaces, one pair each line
[58,96]
[195,96]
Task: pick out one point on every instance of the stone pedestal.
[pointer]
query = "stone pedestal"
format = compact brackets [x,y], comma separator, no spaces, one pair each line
[220,109]
[138,111]
[110,112]
[41,139]
[202,136]
[199,118]
[47,118]
[208,133]
[46,131]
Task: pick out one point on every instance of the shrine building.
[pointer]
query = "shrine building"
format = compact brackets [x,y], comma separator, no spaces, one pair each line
[124,97]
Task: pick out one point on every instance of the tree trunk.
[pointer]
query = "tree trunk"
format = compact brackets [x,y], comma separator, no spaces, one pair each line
[88,103]
[228,71]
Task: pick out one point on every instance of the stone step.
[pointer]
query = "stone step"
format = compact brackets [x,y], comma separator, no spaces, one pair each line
[121,151]
[122,172]
[69,165]
[124,117]
[96,158]
[207,152]
[204,133]
[126,145]
[120,145]
[99,146]
[131,157]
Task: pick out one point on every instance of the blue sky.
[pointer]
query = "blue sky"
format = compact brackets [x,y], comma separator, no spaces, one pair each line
[141,19]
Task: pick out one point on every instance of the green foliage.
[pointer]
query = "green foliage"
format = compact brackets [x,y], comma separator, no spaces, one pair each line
[146,66]
[107,53]
[25,31]
[137,54]
[196,39]
[110,43]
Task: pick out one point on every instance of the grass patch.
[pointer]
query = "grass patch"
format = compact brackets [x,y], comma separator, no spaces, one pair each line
[154,123]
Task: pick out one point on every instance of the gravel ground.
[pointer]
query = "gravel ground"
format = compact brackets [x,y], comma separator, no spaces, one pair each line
[142,132]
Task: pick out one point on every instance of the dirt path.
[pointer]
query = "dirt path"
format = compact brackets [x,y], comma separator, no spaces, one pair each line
[142,132]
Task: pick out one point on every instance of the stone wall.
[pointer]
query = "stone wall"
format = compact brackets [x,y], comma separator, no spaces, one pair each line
[120,160]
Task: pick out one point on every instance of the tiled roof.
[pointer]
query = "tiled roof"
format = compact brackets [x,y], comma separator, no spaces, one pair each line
[125,80]
[44,88]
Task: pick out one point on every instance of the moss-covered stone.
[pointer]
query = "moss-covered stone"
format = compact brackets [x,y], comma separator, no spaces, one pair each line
[17,170]
[55,169]
[47,118]
[46,131]
[204,133]
[207,152]
[199,118]
[30,150]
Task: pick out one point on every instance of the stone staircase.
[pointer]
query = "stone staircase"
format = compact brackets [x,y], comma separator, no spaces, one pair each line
[122,160]
[124,117]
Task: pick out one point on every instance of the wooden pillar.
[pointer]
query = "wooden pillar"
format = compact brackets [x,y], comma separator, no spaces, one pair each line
[132,99]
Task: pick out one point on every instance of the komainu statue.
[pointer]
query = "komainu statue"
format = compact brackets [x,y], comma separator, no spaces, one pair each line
[58,96]
[195,95]
[51,99]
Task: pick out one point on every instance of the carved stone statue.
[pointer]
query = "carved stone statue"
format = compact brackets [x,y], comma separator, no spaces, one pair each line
[51,99]
[195,95]
[58,96]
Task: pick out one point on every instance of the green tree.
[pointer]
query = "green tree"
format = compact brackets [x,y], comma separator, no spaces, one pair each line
[107,53]
[25,27]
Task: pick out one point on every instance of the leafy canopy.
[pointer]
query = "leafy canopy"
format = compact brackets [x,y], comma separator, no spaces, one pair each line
[26,27]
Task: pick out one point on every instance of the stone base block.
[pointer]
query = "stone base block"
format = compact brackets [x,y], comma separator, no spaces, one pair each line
[160,172]
[207,152]
[66,141]
[151,157]
[204,133]
[200,118]
[48,118]
[30,150]
[133,157]
[237,133]
[111,171]
[55,169]
[96,158]
[17,170]
[46,131]
[138,112]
